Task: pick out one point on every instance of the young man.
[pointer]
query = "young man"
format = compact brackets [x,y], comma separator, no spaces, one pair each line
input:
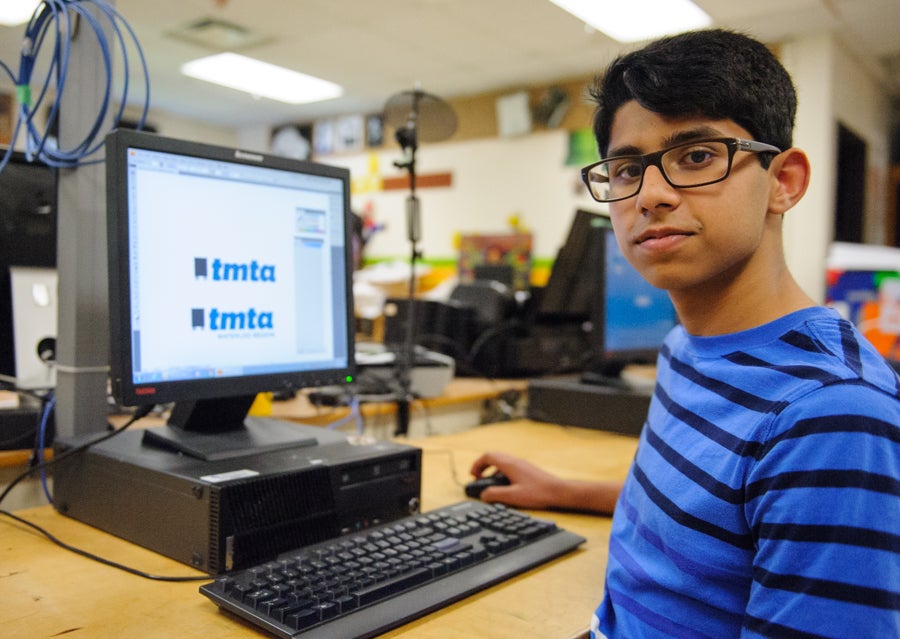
[764,499]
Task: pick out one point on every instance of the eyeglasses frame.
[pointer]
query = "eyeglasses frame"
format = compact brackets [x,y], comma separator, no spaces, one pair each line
[654,159]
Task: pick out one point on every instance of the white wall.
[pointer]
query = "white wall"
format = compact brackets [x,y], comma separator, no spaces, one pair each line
[809,225]
[493,179]
[176,127]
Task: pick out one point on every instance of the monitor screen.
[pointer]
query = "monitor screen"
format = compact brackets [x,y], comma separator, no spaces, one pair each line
[27,236]
[230,275]
[630,318]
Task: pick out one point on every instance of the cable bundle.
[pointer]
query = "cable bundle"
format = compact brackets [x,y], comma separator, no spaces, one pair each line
[56,23]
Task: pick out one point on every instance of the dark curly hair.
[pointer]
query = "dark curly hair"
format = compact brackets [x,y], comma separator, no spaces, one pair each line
[711,73]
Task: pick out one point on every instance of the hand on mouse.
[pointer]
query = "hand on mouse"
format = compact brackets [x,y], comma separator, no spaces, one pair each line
[532,487]
[477,486]
[529,486]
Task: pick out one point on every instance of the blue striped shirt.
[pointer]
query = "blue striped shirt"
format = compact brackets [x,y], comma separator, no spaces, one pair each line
[764,499]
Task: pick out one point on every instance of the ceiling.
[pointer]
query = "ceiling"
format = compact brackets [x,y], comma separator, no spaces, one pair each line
[449,48]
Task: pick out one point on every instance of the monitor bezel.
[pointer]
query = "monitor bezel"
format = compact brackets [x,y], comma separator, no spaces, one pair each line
[124,389]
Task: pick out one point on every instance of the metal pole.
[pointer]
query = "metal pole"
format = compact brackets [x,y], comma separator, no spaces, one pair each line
[83,337]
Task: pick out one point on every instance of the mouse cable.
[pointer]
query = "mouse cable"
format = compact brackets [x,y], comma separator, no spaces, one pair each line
[142,412]
[451,462]
[99,559]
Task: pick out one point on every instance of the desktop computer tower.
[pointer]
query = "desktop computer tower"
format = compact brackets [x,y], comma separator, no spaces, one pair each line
[227,514]
[575,403]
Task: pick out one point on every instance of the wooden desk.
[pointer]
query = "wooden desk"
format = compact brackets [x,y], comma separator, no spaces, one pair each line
[48,592]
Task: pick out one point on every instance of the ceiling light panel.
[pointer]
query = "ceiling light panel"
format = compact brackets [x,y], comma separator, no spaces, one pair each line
[636,20]
[15,12]
[261,79]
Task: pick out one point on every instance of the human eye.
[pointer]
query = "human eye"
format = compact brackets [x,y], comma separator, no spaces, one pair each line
[624,170]
[697,156]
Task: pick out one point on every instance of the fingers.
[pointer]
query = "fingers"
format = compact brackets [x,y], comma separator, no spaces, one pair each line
[500,494]
[488,460]
[514,495]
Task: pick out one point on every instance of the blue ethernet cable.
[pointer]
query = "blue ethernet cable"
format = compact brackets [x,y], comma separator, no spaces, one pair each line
[42,438]
[55,24]
[355,415]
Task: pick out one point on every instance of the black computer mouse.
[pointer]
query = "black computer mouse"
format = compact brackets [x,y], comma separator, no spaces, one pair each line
[475,487]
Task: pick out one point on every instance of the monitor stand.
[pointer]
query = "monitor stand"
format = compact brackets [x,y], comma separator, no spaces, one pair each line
[214,429]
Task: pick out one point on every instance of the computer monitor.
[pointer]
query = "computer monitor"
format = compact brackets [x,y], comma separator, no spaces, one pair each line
[572,282]
[593,287]
[27,235]
[629,317]
[230,275]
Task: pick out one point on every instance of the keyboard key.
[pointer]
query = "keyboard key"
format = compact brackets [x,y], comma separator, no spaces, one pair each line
[302,619]
[392,586]
[328,610]
[347,603]
[446,544]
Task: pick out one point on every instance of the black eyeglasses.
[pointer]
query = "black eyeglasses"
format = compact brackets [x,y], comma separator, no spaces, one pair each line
[683,166]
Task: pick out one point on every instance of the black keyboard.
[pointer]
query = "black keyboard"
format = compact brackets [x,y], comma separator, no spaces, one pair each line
[363,584]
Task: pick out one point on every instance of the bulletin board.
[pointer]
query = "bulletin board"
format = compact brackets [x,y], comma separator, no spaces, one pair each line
[863,284]
[511,249]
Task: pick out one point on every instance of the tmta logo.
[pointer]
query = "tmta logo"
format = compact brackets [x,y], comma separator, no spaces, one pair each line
[233,271]
[250,320]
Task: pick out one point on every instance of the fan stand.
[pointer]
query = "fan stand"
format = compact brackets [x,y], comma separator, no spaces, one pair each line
[415,115]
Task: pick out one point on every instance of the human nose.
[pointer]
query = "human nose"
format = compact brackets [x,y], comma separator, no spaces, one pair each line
[655,190]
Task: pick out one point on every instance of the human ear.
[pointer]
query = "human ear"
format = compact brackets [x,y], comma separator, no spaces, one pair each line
[789,173]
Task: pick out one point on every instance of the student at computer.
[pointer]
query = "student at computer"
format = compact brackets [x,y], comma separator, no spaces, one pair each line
[764,497]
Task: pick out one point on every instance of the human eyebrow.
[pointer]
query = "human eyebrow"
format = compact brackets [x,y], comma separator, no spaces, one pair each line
[679,137]
[622,151]
[690,135]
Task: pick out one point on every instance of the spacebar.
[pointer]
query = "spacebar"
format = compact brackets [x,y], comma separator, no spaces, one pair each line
[390,587]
